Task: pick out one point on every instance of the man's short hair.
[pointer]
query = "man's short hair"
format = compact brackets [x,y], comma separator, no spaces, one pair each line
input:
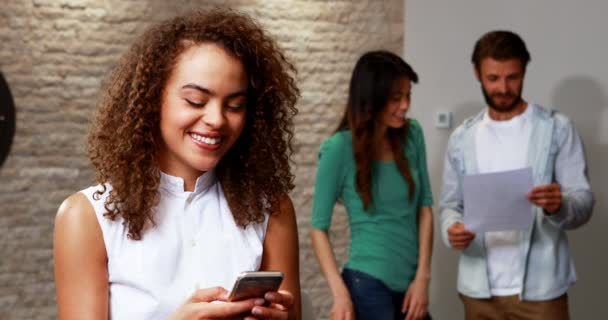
[500,45]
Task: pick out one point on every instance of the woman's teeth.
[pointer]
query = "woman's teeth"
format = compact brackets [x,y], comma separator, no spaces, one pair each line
[206,140]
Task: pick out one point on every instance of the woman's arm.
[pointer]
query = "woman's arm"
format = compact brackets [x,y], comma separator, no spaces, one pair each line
[327,261]
[342,307]
[281,251]
[425,243]
[81,274]
[425,212]
[416,299]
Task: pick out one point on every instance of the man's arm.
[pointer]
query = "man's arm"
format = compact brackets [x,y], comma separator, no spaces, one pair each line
[451,200]
[570,173]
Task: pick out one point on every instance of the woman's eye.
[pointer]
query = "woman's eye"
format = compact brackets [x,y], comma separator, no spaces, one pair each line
[236,106]
[195,104]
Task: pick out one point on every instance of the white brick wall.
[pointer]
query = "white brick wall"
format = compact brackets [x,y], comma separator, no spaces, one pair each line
[54,54]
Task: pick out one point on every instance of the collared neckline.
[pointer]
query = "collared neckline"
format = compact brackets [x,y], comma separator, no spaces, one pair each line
[176,185]
[516,120]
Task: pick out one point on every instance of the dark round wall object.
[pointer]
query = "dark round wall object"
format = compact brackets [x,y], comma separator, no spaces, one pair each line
[7,119]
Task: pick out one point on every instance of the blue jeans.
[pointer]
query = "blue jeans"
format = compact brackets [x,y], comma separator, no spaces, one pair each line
[372,299]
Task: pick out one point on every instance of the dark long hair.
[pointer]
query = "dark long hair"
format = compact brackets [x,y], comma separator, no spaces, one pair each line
[373,79]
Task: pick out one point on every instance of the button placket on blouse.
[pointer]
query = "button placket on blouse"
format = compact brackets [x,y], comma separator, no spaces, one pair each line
[196,245]
[189,229]
[189,225]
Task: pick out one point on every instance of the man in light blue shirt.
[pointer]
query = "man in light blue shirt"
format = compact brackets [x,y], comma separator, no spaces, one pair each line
[515,274]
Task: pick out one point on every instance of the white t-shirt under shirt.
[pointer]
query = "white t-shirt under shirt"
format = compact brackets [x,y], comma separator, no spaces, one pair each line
[194,244]
[502,146]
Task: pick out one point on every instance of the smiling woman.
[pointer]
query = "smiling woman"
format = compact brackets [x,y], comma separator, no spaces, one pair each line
[203,111]
[375,164]
[191,149]
[7,119]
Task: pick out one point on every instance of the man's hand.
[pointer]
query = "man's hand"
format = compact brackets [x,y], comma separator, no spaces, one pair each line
[548,197]
[459,237]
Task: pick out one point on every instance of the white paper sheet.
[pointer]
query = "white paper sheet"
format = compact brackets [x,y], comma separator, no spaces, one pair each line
[497,201]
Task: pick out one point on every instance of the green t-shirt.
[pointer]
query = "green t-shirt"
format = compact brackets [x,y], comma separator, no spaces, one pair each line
[384,239]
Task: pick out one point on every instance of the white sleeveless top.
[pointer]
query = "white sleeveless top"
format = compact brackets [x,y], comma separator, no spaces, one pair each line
[194,244]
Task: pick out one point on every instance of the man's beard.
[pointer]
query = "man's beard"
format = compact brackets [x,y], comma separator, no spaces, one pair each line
[501,108]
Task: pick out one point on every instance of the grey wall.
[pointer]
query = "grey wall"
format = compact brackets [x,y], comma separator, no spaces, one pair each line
[54,54]
[567,41]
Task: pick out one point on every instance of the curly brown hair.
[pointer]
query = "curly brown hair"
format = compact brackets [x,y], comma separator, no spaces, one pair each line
[123,141]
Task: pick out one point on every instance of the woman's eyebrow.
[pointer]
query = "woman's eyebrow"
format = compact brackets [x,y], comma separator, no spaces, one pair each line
[211,93]
[197,87]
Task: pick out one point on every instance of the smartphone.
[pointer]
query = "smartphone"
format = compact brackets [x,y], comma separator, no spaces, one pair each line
[253,284]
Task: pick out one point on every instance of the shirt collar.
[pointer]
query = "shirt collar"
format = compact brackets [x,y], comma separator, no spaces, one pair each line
[176,184]
[517,120]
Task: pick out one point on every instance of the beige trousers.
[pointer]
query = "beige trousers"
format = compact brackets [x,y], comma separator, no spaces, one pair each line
[511,308]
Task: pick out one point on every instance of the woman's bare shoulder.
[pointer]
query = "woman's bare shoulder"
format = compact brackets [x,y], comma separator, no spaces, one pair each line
[76,222]
[76,207]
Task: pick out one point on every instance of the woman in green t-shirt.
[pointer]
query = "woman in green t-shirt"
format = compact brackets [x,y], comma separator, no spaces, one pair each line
[375,164]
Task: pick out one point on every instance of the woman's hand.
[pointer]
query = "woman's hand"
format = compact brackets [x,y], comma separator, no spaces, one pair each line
[281,307]
[342,308]
[200,306]
[416,299]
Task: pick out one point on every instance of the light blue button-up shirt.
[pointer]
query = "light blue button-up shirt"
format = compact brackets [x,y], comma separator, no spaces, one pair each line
[556,155]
